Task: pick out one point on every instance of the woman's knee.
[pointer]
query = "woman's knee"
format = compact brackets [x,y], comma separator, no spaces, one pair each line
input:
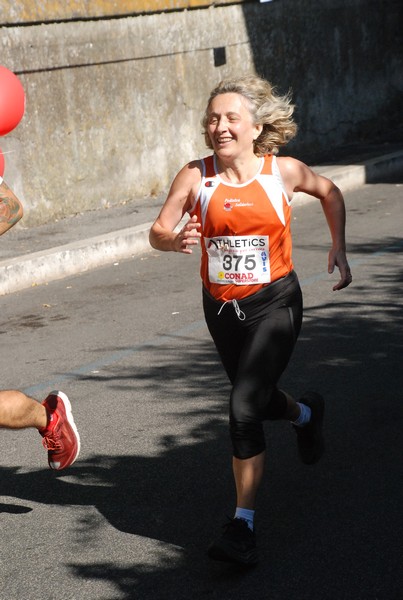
[247,439]
[247,417]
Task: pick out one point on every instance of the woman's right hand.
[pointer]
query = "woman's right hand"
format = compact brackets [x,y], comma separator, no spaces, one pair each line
[187,237]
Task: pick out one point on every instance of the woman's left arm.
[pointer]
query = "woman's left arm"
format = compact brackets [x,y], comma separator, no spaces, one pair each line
[298,177]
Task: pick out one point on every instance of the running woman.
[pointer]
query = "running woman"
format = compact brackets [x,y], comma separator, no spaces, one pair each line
[239,203]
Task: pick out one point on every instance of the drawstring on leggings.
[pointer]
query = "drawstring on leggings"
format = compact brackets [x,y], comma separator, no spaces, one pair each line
[239,313]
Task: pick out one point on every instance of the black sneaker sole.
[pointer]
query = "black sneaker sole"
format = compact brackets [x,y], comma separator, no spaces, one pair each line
[225,553]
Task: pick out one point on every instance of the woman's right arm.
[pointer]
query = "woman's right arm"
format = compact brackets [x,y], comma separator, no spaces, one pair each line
[179,201]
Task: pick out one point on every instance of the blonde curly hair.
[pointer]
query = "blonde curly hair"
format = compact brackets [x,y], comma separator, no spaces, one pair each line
[272,111]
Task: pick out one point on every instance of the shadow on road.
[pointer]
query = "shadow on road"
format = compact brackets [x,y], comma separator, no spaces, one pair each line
[324,532]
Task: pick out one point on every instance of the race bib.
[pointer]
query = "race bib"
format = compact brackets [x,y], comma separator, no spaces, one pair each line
[241,260]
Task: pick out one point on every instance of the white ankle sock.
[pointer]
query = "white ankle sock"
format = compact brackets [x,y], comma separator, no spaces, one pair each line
[246,514]
[305,415]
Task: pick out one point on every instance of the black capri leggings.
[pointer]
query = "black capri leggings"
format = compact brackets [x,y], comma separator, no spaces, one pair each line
[255,338]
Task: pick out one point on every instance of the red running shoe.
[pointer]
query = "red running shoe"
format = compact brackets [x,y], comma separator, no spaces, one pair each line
[60,438]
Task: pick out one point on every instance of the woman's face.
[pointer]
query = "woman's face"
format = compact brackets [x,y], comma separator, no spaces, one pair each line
[230,126]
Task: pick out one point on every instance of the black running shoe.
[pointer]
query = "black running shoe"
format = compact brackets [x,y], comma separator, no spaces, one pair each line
[310,437]
[237,544]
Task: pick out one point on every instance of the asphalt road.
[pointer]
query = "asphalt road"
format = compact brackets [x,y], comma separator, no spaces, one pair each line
[133,516]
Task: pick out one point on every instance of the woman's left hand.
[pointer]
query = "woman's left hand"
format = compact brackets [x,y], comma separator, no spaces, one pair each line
[338,258]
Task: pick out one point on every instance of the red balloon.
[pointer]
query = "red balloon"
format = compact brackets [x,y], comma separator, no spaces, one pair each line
[12,101]
[1,163]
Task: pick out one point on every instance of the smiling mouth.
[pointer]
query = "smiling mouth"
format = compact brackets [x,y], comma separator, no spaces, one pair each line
[224,140]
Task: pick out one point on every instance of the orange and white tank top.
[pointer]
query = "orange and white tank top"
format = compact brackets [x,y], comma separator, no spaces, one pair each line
[246,239]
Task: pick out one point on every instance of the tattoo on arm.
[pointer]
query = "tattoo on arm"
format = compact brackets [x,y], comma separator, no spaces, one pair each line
[10,208]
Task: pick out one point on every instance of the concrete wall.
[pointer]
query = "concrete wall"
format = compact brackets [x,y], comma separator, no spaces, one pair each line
[31,11]
[344,62]
[114,106]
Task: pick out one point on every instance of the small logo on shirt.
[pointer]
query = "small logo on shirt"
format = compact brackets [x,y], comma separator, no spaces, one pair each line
[230,203]
[209,184]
